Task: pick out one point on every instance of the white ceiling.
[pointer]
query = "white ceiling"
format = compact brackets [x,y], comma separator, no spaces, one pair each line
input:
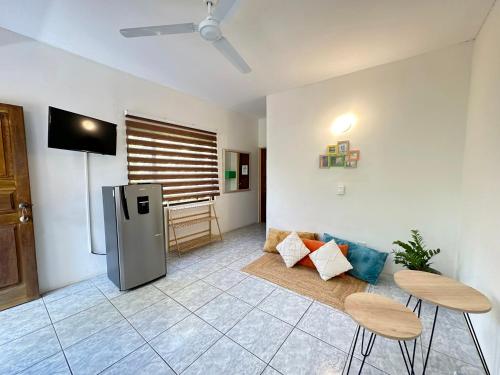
[288,43]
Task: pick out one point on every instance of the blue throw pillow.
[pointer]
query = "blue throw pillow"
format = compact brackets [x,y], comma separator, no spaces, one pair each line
[367,264]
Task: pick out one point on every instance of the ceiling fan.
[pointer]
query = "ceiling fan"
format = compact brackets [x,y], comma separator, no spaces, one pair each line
[209,30]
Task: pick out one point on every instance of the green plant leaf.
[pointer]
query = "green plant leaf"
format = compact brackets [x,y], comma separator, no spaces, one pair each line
[414,254]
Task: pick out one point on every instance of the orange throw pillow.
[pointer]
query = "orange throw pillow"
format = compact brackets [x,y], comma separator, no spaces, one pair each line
[314,245]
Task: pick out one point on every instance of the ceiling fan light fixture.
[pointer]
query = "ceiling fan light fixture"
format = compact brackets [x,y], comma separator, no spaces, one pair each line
[209,29]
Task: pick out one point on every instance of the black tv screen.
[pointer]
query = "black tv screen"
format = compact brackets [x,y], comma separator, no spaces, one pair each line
[71,131]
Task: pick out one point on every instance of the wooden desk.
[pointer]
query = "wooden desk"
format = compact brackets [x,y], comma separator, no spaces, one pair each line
[385,317]
[448,293]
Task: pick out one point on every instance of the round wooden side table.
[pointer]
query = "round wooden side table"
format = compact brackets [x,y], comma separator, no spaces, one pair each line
[448,293]
[385,317]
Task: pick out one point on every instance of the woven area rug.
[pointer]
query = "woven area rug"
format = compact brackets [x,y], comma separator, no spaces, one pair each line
[305,281]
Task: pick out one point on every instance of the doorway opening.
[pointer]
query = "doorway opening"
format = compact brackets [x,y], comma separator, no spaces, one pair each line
[262,184]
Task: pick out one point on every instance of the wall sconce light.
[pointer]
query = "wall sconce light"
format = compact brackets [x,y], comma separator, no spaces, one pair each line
[344,123]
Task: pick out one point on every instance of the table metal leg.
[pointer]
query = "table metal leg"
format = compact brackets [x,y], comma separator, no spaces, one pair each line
[476,343]
[364,352]
[418,308]
[408,363]
[353,349]
[430,341]
[368,350]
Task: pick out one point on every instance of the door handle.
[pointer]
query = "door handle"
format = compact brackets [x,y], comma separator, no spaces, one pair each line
[24,207]
[123,199]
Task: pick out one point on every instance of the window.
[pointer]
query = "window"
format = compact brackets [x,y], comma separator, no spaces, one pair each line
[182,159]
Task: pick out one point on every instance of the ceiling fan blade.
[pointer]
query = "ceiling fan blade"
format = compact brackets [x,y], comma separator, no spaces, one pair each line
[224,9]
[232,55]
[180,28]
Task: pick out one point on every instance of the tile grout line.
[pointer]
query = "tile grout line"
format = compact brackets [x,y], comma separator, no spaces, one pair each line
[28,333]
[453,358]
[110,301]
[277,287]
[57,336]
[199,356]
[102,329]
[186,308]
[225,334]
[224,267]
[145,343]
[293,328]
[85,309]
[148,306]
[44,358]
[51,324]
[222,334]
[86,281]
[190,314]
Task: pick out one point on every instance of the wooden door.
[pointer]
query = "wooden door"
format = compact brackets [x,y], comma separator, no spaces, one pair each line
[18,275]
[263,184]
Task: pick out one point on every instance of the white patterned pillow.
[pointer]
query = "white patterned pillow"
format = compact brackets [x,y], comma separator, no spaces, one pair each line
[330,261]
[292,249]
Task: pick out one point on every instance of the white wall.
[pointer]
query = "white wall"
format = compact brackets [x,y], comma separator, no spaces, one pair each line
[480,242]
[411,128]
[35,76]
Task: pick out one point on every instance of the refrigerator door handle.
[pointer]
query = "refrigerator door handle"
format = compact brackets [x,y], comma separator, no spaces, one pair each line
[124,203]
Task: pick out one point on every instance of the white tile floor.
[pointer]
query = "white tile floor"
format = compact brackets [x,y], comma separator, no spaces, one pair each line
[206,317]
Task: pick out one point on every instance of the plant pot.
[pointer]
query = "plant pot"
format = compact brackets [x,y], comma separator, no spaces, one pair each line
[429,269]
[432,270]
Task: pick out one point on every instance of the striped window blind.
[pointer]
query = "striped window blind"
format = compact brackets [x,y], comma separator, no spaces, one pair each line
[183,160]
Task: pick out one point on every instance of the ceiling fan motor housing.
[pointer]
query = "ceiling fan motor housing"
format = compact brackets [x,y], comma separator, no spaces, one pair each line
[209,29]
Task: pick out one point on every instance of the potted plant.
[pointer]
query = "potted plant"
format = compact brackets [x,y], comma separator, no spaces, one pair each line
[414,255]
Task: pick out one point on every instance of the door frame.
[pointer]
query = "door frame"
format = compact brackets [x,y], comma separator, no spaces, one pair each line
[260,185]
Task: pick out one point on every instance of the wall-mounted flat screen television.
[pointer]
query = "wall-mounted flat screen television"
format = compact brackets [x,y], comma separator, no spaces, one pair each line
[71,131]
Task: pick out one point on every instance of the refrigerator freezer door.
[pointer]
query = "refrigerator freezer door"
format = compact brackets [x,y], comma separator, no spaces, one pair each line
[140,234]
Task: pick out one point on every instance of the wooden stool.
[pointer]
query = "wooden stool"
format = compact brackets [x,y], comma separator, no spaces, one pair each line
[444,292]
[385,317]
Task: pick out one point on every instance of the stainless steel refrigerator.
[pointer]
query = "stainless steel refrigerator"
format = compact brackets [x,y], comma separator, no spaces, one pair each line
[134,229]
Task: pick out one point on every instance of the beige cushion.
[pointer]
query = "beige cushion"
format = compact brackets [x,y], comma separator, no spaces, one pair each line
[275,236]
[292,249]
[330,261]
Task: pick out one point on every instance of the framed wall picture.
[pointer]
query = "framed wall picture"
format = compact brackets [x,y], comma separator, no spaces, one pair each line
[324,161]
[353,155]
[337,161]
[343,147]
[351,164]
[331,149]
